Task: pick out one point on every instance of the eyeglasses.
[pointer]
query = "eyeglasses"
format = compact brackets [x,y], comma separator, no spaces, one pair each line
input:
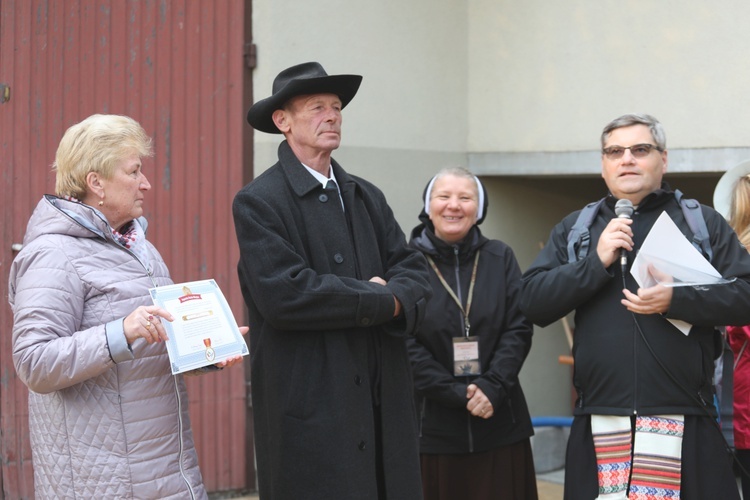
[638,151]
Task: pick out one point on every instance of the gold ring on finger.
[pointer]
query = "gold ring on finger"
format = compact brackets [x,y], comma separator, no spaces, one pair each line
[148,325]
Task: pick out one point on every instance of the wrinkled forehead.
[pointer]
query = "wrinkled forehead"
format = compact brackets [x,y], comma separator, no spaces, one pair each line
[451,182]
[300,101]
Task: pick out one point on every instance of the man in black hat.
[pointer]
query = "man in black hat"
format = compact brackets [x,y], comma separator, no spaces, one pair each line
[332,291]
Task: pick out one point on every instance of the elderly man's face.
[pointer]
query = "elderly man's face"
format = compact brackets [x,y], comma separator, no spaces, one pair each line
[629,177]
[312,122]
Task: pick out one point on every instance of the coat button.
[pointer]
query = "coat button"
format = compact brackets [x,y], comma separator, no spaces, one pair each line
[362,445]
[358,380]
[323,198]
[365,321]
[338,258]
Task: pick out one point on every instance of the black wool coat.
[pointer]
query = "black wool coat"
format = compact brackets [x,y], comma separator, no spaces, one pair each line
[320,331]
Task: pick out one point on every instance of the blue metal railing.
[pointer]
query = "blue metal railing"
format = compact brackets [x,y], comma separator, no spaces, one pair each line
[551,421]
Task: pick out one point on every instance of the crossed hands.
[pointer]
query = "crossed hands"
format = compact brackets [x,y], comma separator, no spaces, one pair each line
[381,281]
[479,404]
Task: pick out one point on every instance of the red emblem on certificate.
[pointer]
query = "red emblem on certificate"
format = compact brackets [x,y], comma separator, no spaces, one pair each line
[210,354]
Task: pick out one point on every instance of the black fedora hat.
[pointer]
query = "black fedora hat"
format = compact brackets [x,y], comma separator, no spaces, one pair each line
[302,79]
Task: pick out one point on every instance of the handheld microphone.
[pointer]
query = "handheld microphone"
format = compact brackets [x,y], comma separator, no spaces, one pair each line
[623,210]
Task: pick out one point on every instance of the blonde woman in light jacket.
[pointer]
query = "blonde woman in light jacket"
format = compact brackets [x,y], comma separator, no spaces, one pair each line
[106,417]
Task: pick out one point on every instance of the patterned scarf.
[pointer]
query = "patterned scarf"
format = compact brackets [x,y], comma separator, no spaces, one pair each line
[655,471]
[132,236]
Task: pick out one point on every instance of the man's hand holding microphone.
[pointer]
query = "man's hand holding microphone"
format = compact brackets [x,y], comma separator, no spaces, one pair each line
[617,238]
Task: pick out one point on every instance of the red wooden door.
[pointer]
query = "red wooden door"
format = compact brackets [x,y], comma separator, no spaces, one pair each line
[179,68]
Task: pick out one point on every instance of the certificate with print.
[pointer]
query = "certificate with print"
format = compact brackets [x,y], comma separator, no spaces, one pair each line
[204,330]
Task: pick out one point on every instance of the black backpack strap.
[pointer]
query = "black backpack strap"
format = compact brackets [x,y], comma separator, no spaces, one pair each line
[726,404]
[579,233]
[691,209]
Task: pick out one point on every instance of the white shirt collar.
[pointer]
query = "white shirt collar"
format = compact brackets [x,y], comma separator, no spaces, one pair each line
[324,181]
[320,177]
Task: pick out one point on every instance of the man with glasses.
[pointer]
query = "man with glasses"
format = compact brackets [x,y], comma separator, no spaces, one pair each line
[644,421]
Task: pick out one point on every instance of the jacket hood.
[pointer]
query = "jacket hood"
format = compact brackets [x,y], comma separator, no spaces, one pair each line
[54,215]
[423,238]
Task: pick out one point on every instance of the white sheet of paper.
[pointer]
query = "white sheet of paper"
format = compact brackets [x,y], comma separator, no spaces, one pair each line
[204,330]
[669,251]
[196,319]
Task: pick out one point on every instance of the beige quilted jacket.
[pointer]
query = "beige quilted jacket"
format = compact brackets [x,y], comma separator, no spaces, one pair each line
[105,421]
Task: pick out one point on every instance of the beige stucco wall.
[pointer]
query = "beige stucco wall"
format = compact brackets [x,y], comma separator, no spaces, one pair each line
[519,91]
[409,116]
[546,76]
[522,212]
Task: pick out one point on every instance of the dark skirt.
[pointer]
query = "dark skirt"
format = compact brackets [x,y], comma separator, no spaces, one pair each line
[706,462]
[505,473]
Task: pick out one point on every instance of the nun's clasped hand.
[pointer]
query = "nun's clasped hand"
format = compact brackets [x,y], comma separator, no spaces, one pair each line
[479,404]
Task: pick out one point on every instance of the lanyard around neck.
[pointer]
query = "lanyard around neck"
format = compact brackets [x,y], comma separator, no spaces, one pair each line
[452,293]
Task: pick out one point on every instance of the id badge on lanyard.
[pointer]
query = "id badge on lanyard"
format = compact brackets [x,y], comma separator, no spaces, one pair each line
[465,348]
[466,356]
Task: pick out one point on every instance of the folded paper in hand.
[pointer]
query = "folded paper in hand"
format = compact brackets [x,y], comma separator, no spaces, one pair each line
[668,250]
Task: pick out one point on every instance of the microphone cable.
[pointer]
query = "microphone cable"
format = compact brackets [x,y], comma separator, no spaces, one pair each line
[701,403]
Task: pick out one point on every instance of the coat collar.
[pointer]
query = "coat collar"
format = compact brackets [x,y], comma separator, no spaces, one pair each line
[424,240]
[54,215]
[301,181]
[652,201]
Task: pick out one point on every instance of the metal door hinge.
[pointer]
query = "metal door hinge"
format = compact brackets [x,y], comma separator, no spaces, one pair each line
[251,55]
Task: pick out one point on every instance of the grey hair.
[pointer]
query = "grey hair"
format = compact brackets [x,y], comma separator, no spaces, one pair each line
[657,131]
[456,172]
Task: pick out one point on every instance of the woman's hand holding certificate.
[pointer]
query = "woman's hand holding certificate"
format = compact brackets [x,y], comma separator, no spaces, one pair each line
[204,331]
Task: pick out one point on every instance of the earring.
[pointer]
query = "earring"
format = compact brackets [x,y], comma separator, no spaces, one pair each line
[101,203]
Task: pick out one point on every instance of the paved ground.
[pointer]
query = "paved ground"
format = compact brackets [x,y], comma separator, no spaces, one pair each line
[549,486]
[549,491]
